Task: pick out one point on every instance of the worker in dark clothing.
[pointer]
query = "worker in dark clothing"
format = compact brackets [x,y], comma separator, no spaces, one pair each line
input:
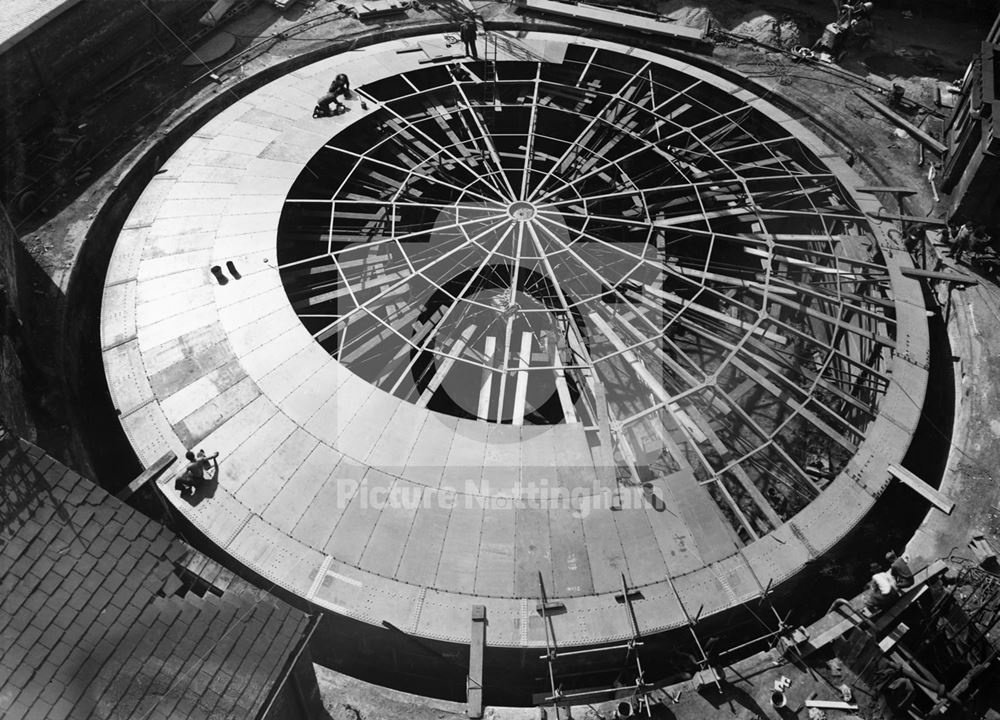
[341,86]
[468,34]
[882,591]
[193,476]
[980,240]
[889,679]
[962,241]
[915,238]
[901,572]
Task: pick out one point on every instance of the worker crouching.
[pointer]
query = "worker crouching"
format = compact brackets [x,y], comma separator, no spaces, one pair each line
[340,87]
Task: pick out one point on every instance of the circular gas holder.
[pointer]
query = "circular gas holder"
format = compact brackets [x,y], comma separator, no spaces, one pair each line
[605,320]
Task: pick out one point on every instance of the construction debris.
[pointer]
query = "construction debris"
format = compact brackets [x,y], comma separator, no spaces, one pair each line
[917,133]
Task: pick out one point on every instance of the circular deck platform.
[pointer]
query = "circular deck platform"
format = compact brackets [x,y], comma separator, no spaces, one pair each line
[608,319]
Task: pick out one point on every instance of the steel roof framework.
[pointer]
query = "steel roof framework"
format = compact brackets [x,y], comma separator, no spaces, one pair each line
[631,229]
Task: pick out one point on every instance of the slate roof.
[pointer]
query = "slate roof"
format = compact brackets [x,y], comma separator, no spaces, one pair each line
[104,613]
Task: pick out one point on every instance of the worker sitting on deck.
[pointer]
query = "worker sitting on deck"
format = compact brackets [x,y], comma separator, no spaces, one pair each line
[901,572]
[341,85]
[194,474]
[467,32]
[882,592]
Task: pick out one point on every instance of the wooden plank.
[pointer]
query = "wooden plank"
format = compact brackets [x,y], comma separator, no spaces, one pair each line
[640,369]
[486,386]
[521,387]
[831,705]
[215,13]
[895,635]
[616,18]
[917,219]
[943,276]
[477,649]
[916,132]
[445,367]
[803,237]
[150,473]
[715,314]
[737,470]
[562,390]
[769,255]
[935,497]
[724,279]
[896,190]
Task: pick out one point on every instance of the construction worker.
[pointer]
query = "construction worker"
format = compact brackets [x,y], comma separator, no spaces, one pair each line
[963,240]
[901,572]
[341,85]
[194,474]
[980,240]
[882,592]
[915,238]
[468,33]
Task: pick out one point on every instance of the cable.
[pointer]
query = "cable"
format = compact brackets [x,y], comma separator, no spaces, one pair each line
[83,164]
[181,41]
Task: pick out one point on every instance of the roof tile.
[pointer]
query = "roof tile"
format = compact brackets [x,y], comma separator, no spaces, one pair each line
[21,676]
[45,615]
[85,564]
[38,711]
[64,618]
[50,531]
[97,564]
[150,531]
[29,636]
[52,692]
[41,560]
[160,544]
[17,711]
[49,583]
[60,597]
[99,545]
[21,566]
[61,710]
[78,600]
[34,602]
[35,656]
[14,655]
[15,547]
[31,691]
